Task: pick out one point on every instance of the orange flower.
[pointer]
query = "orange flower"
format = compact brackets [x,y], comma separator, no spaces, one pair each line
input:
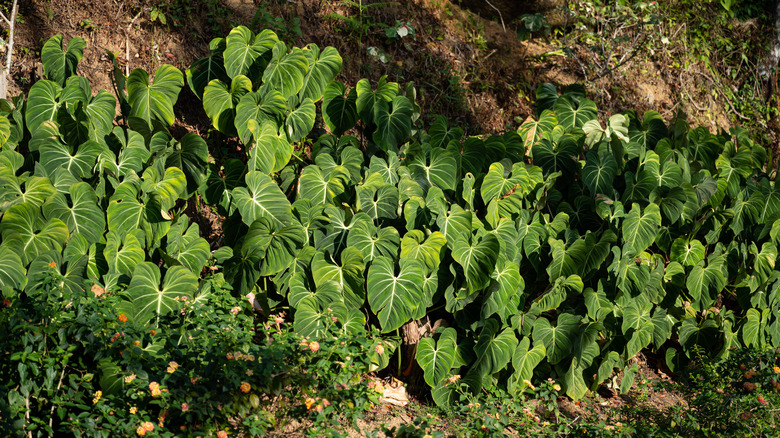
[309,402]
[153,332]
[245,387]
[314,345]
[172,367]
[148,426]
[776,369]
[154,387]
[222,434]
[762,400]
[53,264]
[140,431]
[122,317]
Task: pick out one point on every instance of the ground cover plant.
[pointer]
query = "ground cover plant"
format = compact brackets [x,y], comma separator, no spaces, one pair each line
[557,251]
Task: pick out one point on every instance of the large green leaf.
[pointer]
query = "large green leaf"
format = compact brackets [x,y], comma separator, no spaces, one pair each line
[556,339]
[437,168]
[346,272]
[281,244]
[78,161]
[502,180]
[123,252]
[687,253]
[393,124]
[454,224]
[270,152]
[82,214]
[321,187]
[42,104]
[25,231]
[154,102]
[436,358]
[262,198]
[300,121]
[374,242]
[493,350]
[204,70]
[220,102]
[60,64]
[639,229]
[286,71]
[504,293]
[261,106]
[244,52]
[477,258]
[573,114]
[394,298]
[184,244]
[150,300]
[705,283]
[429,250]
[35,191]
[599,172]
[324,66]
[525,360]
[339,111]
[191,155]
[221,182]
[554,156]
[12,272]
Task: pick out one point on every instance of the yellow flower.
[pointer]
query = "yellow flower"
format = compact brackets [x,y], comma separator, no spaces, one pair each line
[309,402]
[98,394]
[148,426]
[557,387]
[314,345]
[776,369]
[246,387]
[172,367]
[140,431]
[130,378]
[133,410]
[530,385]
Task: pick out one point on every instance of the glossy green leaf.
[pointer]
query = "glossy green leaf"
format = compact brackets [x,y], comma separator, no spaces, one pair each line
[150,299]
[436,358]
[59,64]
[477,258]
[154,102]
[393,297]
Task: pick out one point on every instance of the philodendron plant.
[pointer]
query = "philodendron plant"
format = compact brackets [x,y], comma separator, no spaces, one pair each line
[562,249]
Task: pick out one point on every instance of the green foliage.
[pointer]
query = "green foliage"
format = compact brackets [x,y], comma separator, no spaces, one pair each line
[562,264]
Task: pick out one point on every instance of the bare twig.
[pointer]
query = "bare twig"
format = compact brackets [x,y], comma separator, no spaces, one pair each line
[4,72]
[499,14]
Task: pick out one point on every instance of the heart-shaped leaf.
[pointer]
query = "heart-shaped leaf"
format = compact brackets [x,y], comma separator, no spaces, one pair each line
[262,198]
[123,252]
[324,66]
[82,214]
[204,70]
[220,102]
[394,298]
[185,245]
[639,229]
[436,358]
[261,106]
[60,64]
[25,231]
[244,52]
[286,71]
[154,103]
[149,300]
[12,272]
[493,350]
[270,152]
[300,121]
[339,111]
[556,339]
[394,122]
[42,104]
[477,258]
[437,168]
